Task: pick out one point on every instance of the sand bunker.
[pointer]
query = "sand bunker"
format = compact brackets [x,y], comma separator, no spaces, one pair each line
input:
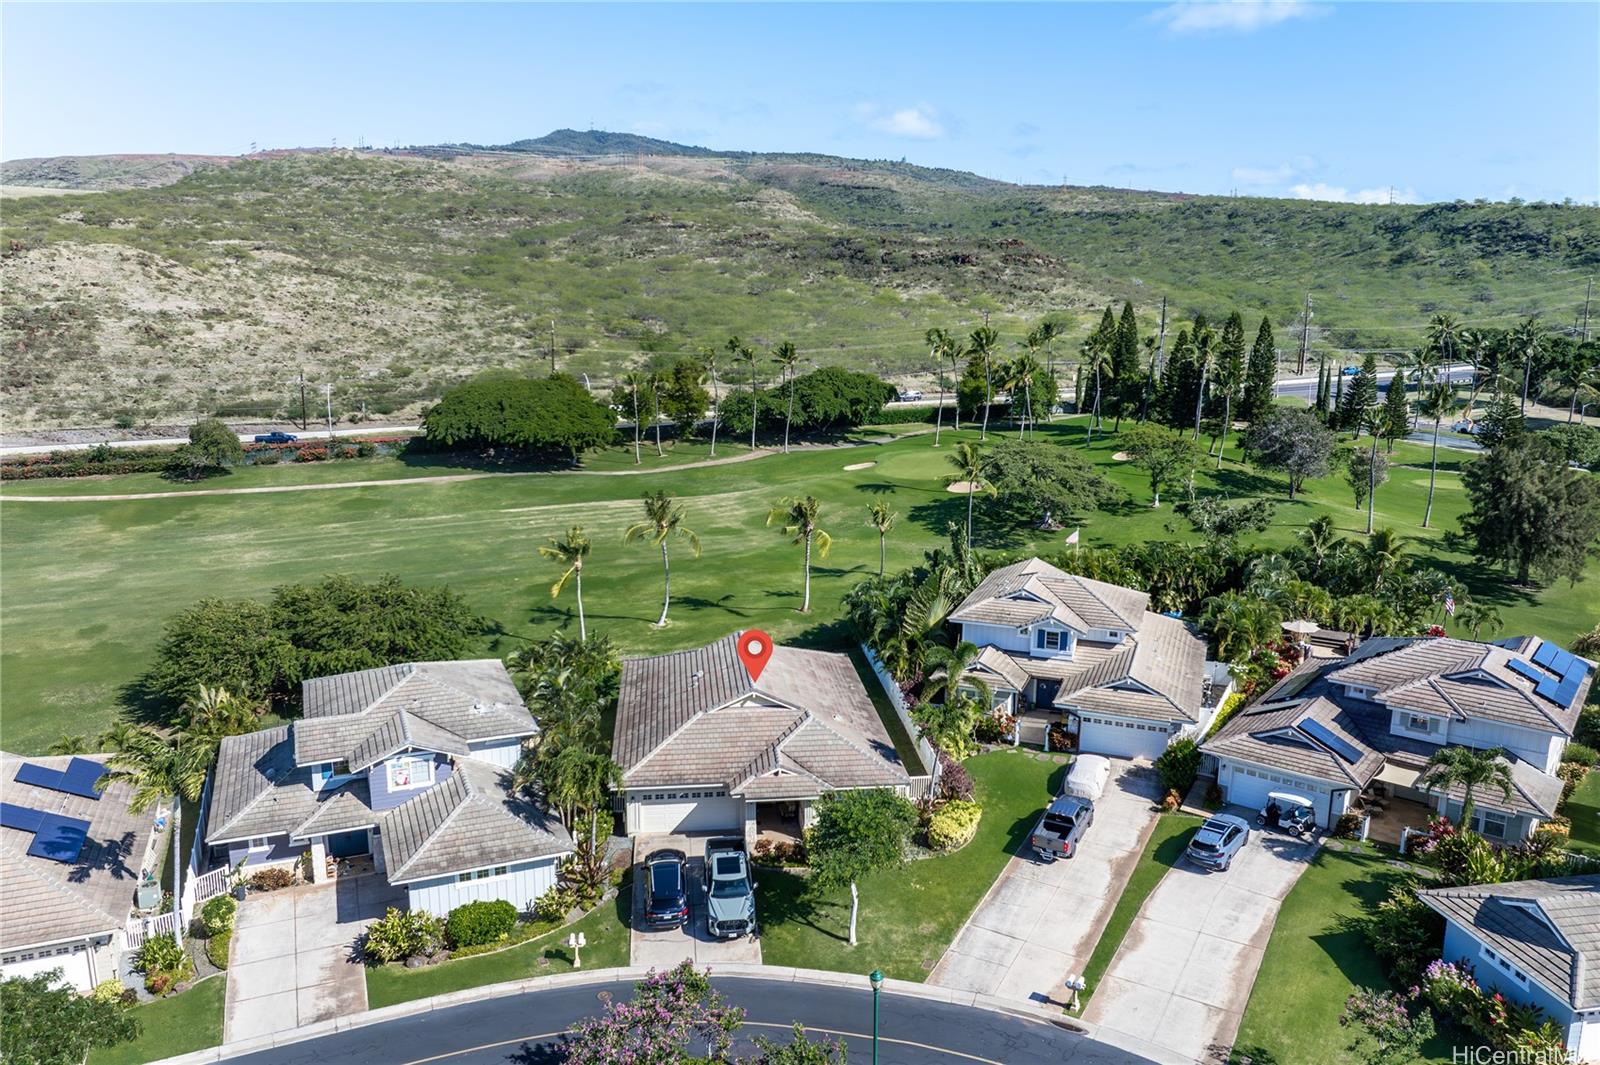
[1122,456]
[962,486]
[861,466]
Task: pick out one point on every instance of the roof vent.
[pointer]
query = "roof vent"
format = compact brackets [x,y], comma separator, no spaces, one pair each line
[694,678]
[477,704]
[270,772]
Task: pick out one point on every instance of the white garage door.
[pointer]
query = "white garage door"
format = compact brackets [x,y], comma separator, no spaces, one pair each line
[1124,739]
[682,812]
[1249,786]
[74,965]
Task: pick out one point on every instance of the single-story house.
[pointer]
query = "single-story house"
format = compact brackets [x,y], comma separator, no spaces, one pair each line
[1537,942]
[1057,646]
[408,764]
[71,858]
[703,748]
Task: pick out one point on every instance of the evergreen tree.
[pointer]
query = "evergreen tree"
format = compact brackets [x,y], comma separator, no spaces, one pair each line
[1262,374]
[1230,375]
[1501,421]
[1336,403]
[1361,396]
[1396,421]
[1320,405]
[1125,368]
[1179,380]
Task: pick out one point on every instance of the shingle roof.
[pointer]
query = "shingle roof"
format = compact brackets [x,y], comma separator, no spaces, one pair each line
[43,901]
[1550,929]
[471,821]
[695,717]
[1032,590]
[438,706]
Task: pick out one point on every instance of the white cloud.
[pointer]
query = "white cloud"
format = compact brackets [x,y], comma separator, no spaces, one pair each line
[1259,175]
[1339,194]
[1232,16]
[920,122]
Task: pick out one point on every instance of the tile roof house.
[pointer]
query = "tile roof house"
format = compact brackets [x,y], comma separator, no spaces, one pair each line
[68,908]
[1054,645]
[410,764]
[1367,724]
[704,748]
[1536,942]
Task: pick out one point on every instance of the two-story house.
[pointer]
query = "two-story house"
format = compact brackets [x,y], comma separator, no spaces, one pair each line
[410,764]
[1055,646]
[1369,723]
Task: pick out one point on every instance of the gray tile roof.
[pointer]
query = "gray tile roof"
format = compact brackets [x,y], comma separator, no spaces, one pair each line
[345,810]
[1032,590]
[471,821]
[438,706]
[256,788]
[1550,929]
[1273,735]
[695,717]
[43,901]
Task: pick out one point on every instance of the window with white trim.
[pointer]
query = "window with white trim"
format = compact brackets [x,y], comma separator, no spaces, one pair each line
[410,771]
[1421,722]
[1502,963]
[1051,640]
[483,874]
[1491,824]
[258,843]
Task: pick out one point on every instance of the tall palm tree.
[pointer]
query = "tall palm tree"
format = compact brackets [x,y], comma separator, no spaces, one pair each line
[1019,378]
[881,518]
[1577,375]
[1044,335]
[750,357]
[1526,340]
[1473,344]
[1204,340]
[635,383]
[708,358]
[981,346]
[1230,378]
[663,519]
[787,356]
[942,348]
[1096,360]
[1468,769]
[1383,554]
[799,516]
[968,462]
[658,380]
[1319,540]
[156,769]
[1475,617]
[1436,401]
[570,551]
[575,782]
[1444,337]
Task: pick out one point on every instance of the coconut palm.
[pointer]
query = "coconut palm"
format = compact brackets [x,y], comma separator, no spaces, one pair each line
[118,736]
[1525,341]
[787,356]
[570,551]
[744,353]
[663,519]
[968,462]
[212,713]
[1044,335]
[981,346]
[939,344]
[1382,555]
[799,516]
[708,359]
[69,745]
[1204,340]
[881,518]
[1473,344]
[575,782]
[1436,401]
[156,769]
[658,381]
[1019,378]
[1230,378]
[948,674]
[1476,617]
[1468,769]
[952,351]
[1319,540]
[1096,361]
[1576,375]
[1444,337]
[633,384]
[1240,623]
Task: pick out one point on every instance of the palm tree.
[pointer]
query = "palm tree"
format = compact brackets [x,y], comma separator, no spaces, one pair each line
[1436,401]
[634,382]
[1576,375]
[1240,623]
[968,461]
[708,357]
[1044,336]
[575,782]
[881,518]
[982,346]
[1474,344]
[69,745]
[1475,617]
[951,351]
[1230,378]
[948,675]
[1468,769]
[1319,540]
[658,378]
[118,736]
[662,520]
[1444,337]
[1096,360]
[939,343]
[1019,376]
[1525,340]
[787,357]
[570,551]
[1203,340]
[744,353]
[1383,554]
[155,769]
[799,516]
[209,715]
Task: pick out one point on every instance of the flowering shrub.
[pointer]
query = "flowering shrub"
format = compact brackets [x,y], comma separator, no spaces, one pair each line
[994,728]
[1454,991]
[953,825]
[1385,1029]
[1434,630]
[667,1012]
[311,454]
[1060,738]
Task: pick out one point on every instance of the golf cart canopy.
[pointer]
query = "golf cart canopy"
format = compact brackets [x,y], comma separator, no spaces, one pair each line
[1288,800]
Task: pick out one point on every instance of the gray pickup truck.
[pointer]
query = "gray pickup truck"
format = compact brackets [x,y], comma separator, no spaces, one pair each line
[730,892]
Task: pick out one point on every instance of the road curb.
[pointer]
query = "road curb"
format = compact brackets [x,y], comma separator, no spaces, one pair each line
[580,978]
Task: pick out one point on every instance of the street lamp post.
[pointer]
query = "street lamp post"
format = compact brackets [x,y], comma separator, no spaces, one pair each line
[877,986]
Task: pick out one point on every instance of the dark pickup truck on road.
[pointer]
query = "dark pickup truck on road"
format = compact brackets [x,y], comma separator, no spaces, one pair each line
[276,438]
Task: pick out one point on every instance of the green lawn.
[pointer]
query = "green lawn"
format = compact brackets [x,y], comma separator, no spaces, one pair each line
[1313,962]
[605,928]
[910,915]
[1584,809]
[177,1025]
[1162,851]
[87,584]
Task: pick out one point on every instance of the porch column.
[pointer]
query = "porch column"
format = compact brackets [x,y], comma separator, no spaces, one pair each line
[319,860]
[750,831]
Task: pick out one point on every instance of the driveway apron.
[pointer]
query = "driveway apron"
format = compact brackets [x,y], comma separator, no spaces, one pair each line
[1040,922]
[663,948]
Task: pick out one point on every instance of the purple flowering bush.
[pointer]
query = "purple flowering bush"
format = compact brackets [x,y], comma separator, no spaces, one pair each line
[655,1027]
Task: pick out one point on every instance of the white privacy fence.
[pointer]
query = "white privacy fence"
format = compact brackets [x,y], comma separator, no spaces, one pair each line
[897,699]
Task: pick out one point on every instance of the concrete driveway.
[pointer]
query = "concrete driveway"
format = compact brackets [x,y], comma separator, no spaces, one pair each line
[1183,974]
[666,947]
[293,958]
[1041,921]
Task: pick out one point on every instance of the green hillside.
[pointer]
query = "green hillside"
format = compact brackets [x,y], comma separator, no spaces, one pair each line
[389,275]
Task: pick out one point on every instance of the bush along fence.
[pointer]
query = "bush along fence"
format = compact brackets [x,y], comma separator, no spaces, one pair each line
[897,699]
[104,460]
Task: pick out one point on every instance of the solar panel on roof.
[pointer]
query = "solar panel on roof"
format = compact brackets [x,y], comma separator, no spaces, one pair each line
[39,776]
[1547,688]
[1567,690]
[59,839]
[1560,661]
[1545,654]
[1338,744]
[79,778]
[19,817]
[1533,673]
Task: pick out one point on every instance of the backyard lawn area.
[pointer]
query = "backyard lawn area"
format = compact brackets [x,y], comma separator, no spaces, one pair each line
[1584,809]
[1313,962]
[910,915]
[1162,851]
[177,1025]
[605,928]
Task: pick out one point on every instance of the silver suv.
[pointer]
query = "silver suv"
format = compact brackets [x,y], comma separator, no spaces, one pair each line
[1217,841]
[730,893]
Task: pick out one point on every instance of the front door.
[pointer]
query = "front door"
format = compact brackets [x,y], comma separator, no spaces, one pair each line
[349,844]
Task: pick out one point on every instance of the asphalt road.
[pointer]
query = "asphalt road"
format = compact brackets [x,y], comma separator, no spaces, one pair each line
[528,1030]
[1306,387]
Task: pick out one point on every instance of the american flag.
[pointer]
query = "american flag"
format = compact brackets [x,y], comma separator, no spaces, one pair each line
[1449,604]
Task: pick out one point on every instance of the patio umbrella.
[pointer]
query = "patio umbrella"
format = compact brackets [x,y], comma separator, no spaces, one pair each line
[1301,627]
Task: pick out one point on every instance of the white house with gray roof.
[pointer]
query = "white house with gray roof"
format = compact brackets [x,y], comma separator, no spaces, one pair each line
[1368,723]
[1536,942]
[410,764]
[704,748]
[1058,646]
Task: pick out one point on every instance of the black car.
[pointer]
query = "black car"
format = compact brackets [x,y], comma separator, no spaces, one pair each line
[276,438]
[667,899]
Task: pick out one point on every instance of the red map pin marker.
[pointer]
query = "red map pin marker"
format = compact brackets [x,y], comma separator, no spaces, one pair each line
[755,647]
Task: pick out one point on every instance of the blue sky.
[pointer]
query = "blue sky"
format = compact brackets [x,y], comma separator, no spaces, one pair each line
[1333,101]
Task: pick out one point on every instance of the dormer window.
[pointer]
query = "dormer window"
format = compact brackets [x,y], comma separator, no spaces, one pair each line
[410,771]
[1421,723]
[1050,640]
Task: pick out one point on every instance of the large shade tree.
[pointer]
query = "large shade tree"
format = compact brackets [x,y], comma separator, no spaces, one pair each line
[1530,511]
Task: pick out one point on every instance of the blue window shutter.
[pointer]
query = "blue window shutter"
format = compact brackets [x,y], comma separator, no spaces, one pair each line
[1038,640]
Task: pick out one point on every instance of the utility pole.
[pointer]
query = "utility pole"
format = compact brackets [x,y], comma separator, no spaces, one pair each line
[302,399]
[327,396]
[552,347]
[1305,336]
[1586,297]
[1161,339]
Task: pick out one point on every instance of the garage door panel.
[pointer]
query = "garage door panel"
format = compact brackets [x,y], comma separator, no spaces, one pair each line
[74,967]
[716,814]
[1123,740]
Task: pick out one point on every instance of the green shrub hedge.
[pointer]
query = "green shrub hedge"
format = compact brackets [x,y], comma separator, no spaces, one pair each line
[217,915]
[478,923]
[217,948]
[953,825]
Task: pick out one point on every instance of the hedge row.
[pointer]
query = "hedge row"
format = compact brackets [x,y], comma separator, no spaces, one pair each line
[102,461]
